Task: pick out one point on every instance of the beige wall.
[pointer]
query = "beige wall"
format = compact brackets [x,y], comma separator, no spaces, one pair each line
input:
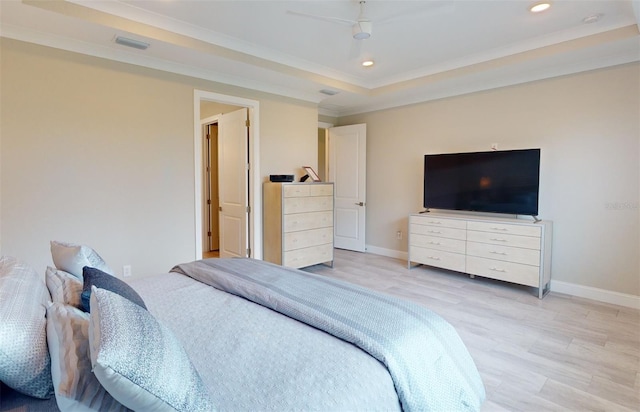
[588,127]
[101,153]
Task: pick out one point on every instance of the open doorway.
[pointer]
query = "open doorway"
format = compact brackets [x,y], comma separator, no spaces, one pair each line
[206,103]
[211,222]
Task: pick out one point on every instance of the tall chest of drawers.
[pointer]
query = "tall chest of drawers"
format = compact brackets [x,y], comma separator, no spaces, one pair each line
[512,250]
[298,223]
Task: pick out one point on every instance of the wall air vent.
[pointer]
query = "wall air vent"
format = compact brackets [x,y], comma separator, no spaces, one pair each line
[136,44]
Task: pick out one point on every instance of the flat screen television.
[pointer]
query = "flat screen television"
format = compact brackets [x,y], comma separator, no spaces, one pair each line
[498,181]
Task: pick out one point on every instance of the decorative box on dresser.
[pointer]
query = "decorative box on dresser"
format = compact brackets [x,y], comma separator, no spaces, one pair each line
[513,250]
[298,223]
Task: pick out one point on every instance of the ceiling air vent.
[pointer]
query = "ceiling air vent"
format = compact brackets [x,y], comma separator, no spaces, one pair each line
[329,92]
[136,44]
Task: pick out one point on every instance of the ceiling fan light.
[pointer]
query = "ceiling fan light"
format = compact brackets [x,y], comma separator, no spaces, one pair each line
[362,30]
[538,7]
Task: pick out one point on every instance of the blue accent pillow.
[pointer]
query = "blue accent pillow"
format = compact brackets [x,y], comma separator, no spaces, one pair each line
[96,277]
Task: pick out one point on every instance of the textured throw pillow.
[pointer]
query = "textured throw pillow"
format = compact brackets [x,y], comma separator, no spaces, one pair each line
[96,277]
[24,356]
[72,258]
[76,387]
[139,361]
[63,287]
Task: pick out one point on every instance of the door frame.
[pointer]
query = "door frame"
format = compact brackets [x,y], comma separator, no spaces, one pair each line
[255,189]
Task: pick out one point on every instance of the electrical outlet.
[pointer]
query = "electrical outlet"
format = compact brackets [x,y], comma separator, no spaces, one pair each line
[399,235]
[126,271]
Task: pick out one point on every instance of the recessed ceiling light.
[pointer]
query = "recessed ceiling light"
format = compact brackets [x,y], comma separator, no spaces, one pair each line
[593,18]
[367,63]
[538,7]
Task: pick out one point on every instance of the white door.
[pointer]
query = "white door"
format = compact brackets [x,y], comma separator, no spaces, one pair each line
[233,179]
[348,169]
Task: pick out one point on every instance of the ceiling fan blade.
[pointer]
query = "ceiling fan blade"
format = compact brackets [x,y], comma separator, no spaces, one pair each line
[430,8]
[323,18]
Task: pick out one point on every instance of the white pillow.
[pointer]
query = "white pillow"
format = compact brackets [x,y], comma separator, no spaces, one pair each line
[76,388]
[24,356]
[139,361]
[72,258]
[64,287]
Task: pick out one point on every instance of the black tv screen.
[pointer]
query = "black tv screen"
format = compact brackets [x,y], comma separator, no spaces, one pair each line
[497,181]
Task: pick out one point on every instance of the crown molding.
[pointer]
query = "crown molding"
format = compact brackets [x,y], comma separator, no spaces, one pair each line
[63,43]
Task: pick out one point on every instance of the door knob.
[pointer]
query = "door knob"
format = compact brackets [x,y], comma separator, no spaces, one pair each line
[360,203]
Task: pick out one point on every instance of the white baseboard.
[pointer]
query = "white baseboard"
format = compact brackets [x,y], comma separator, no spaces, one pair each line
[601,295]
[387,252]
[588,292]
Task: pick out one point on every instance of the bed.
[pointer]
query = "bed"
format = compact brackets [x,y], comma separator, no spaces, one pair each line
[253,336]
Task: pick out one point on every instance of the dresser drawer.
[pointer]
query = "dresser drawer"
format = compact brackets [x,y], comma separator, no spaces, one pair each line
[318,189]
[300,258]
[439,222]
[306,238]
[439,243]
[506,253]
[505,228]
[307,204]
[303,221]
[438,231]
[503,239]
[507,271]
[437,258]
[295,190]
[314,189]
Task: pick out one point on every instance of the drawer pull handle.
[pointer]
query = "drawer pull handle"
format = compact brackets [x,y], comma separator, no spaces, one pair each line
[434,258]
[435,231]
[498,253]
[503,229]
[435,222]
[435,243]
[497,239]
[497,270]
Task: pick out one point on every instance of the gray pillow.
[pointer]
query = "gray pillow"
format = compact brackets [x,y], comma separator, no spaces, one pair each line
[139,361]
[24,357]
[96,277]
[72,258]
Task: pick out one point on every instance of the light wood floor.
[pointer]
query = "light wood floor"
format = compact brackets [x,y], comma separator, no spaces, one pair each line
[557,354]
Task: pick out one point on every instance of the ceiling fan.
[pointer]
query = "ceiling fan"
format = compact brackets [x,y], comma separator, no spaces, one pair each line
[361,28]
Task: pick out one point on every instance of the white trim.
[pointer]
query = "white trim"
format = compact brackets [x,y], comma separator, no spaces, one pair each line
[396,254]
[601,295]
[324,125]
[255,192]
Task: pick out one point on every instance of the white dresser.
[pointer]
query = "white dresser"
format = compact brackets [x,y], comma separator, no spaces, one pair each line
[512,250]
[298,223]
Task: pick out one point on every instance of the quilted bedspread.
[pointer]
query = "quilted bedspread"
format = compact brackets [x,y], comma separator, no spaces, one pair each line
[429,365]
